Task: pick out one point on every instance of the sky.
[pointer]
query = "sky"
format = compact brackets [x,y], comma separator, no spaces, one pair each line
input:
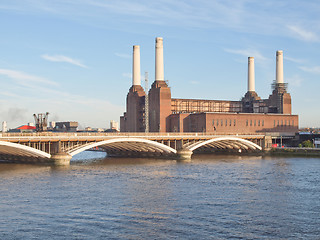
[73,58]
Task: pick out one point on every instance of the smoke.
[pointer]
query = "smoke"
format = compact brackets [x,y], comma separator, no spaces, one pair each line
[16,114]
[55,117]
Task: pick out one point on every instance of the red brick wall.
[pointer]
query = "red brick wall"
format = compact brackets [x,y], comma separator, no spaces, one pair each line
[235,123]
[159,107]
[135,110]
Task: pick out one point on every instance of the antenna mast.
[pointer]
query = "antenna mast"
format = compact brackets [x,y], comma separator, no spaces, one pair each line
[146,104]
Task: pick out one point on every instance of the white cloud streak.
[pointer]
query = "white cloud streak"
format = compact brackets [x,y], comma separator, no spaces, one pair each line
[303,34]
[263,17]
[24,78]
[295,80]
[64,59]
[295,60]
[123,55]
[247,53]
[127,75]
[315,70]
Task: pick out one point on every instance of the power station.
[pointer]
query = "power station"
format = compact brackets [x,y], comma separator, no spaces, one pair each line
[249,115]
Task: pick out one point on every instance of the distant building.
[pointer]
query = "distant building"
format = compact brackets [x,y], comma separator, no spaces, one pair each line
[88,129]
[65,127]
[52,124]
[24,129]
[114,125]
[166,114]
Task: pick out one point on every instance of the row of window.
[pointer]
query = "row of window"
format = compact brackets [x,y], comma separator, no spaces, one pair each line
[255,122]
[226,122]
[221,122]
[283,123]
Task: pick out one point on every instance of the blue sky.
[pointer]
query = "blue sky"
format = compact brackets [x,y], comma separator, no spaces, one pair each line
[72,58]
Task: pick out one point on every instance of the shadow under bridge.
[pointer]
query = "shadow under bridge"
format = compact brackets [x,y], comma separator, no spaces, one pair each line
[223,144]
[128,147]
[140,147]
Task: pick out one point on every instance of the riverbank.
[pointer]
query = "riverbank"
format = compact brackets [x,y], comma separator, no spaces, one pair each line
[292,151]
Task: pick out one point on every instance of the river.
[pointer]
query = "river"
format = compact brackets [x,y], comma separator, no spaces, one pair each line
[212,197]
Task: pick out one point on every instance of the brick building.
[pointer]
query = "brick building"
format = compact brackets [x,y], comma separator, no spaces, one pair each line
[249,115]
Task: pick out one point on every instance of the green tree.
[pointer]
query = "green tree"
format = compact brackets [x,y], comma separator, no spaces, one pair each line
[307,144]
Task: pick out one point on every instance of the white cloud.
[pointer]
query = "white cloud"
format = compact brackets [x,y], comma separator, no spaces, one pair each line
[262,17]
[195,82]
[24,78]
[127,75]
[247,53]
[9,94]
[123,55]
[295,80]
[303,34]
[295,60]
[315,69]
[61,58]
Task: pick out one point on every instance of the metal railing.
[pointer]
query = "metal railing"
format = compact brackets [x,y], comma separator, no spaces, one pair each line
[124,134]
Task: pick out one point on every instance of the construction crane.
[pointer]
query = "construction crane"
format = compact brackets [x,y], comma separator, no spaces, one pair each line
[41,121]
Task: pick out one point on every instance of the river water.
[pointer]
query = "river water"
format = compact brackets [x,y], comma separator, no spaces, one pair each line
[212,197]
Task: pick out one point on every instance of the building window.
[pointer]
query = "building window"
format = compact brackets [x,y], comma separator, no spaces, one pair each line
[226,122]
[213,122]
[234,122]
[262,123]
[250,122]
[278,123]
[259,123]
[285,122]
[247,122]
[281,122]
[255,122]
[288,122]
[292,122]
[274,123]
[221,122]
[218,122]
[230,123]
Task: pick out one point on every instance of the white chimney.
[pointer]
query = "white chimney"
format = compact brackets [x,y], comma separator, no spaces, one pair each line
[4,127]
[279,67]
[159,60]
[251,80]
[136,77]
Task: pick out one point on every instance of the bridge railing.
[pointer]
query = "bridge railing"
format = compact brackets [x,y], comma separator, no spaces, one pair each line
[131,134]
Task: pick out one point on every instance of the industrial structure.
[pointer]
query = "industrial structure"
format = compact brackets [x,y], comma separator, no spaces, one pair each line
[41,121]
[166,114]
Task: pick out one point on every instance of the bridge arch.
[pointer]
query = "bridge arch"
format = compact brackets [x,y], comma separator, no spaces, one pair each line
[227,143]
[8,148]
[123,144]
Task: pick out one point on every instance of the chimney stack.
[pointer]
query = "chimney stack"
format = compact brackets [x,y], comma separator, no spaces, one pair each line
[251,80]
[136,77]
[159,76]
[279,67]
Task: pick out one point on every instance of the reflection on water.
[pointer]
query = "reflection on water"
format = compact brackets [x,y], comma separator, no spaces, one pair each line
[212,197]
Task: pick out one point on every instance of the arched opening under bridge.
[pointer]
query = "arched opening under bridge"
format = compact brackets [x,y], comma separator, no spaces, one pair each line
[128,147]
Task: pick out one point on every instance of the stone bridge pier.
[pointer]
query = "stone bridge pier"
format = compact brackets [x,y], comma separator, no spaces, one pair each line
[58,156]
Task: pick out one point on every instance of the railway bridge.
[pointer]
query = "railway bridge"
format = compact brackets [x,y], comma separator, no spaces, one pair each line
[58,148]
